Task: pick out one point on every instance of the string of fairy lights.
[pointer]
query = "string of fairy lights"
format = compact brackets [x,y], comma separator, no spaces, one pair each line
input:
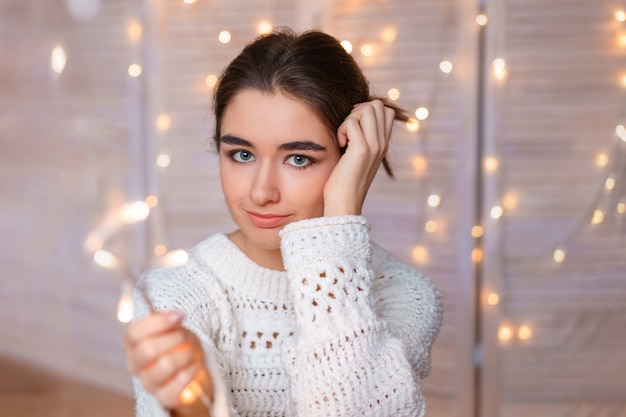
[610,199]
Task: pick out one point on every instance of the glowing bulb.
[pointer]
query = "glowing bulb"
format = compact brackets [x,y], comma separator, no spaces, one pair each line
[163,122]
[493,299]
[482,19]
[389,34]
[422,113]
[620,16]
[189,1]
[135,212]
[58,59]
[609,184]
[347,46]
[211,80]
[134,70]
[163,160]
[264,27]
[187,396]
[393,94]
[412,125]
[420,254]
[477,255]
[419,162]
[496,212]
[499,68]
[621,208]
[524,332]
[134,31]
[602,160]
[491,164]
[152,201]
[105,259]
[510,201]
[431,226]
[477,231]
[94,242]
[505,333]
[125,307]
[224,36]
[622,41]
[367,50]
[160,250]
[176,258]
[598,217]
[433,200]
[445,67]
[623,80]
[559,255]
[620,131]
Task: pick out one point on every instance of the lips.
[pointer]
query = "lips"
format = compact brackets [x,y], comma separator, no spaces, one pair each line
[266,221]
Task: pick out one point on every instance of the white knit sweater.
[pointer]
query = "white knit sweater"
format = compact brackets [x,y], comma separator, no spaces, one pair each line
[346,330]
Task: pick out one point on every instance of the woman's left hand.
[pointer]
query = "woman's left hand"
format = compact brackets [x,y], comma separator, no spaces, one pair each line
[365,132]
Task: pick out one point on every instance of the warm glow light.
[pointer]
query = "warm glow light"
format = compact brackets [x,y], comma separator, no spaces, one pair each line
[493,299]
[125,307]
[367,50]
[559,255]
[152,201]
[524,332]
[620,16]
[621,208]
[420,254]
[602,160]
[624,80]
[163,122]
[510,201]
[211,80]
[160,250]
[389,34]
[187,396]
[496,212]
[505,333]
[264,27]
[134,31]
[477,231]
[134,70]
[445,67]
[412,125]
[176,257]
[105,259]
[491,164]
[94,242]
[347,46]
[499,68]
[422,113]
[434,200]
[609,184]
[431,226]
[224,36]
[622,40]
[163,160]
[58,59]
[482,19]
[135,212]
[477,255]
[393,94]
[598,217]
[419,162]
[189,1]
[620,131]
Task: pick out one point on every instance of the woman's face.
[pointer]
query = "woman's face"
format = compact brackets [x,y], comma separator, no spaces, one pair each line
[275,157]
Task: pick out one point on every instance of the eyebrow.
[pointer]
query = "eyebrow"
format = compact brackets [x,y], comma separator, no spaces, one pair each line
[299,145]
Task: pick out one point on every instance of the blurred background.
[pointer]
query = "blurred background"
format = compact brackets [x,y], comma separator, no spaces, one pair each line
[510,187]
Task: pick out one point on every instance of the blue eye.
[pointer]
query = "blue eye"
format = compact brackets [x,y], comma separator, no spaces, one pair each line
[299,161]
[242,156]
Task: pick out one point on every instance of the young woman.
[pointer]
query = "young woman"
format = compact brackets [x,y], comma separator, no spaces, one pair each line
[296,313]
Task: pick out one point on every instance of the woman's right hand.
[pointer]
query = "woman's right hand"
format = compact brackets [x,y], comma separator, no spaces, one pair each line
[167,357]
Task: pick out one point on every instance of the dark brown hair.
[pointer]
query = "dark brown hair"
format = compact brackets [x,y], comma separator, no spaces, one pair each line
[311,67]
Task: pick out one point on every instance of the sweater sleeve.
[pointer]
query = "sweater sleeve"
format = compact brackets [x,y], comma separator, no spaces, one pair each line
[177,289]
[344,360]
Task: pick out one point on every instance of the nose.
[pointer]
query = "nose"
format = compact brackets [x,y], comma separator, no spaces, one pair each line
[265,188]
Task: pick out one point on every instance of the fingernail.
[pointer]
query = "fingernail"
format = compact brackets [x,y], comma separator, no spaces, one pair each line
[175,316]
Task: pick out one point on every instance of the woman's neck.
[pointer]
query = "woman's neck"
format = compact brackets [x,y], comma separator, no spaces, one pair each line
[270,258]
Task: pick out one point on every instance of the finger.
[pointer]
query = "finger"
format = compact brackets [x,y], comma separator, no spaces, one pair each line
[153,347]
[167,366]
[151,325]
[390,116]
[169,394]
[379,110]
